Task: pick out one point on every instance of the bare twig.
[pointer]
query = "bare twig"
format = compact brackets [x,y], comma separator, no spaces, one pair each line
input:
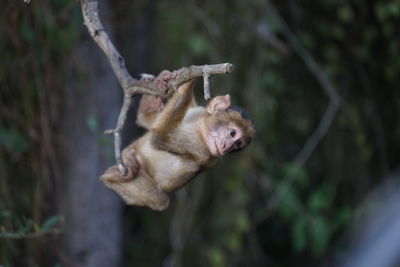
[117,133]
[210,24]
[326,121]
[96,29]
[326,86]
[207,93]
[263,32]
[163,86]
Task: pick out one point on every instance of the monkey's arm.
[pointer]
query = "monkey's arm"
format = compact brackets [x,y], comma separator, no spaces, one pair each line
[150,107]
[171,117]
[174,112]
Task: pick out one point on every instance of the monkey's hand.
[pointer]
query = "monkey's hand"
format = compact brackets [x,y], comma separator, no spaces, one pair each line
[132,164]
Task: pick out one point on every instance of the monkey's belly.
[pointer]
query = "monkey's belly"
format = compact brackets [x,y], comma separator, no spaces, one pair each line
[169,171]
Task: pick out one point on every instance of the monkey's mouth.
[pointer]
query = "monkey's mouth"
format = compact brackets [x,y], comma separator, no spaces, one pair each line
[219,148]
[217,151]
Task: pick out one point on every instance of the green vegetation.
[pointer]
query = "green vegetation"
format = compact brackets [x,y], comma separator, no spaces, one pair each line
[255,208]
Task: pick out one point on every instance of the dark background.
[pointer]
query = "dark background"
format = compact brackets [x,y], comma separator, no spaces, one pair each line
[287,200]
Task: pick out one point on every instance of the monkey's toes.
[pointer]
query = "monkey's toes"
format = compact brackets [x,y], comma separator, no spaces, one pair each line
[132,164]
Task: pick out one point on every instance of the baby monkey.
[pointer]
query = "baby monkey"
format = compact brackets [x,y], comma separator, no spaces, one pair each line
[183,140]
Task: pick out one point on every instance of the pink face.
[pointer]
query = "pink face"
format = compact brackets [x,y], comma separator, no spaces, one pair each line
[224,139]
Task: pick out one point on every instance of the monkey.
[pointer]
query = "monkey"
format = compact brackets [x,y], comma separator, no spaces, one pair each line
[183,139]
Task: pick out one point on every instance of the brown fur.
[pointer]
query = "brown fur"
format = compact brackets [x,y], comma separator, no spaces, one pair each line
[172,152]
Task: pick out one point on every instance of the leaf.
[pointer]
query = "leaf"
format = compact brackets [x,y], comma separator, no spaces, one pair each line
[343,217]
[242,222]
[233,242]
[4,214]
[345,14]
[320,199]
[92,122]
[320,234]
[307,39]
[380,11]
[393,8]
[298,172]
[50,222]
[288,206]
[216,257]
[26,30]
[299,234]
[13,140]
[27,227]
[198,44]
[36,227]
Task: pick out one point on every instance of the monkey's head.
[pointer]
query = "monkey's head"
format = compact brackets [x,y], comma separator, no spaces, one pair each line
[226,129]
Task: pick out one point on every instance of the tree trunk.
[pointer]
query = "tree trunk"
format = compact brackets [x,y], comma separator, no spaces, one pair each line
[93,214]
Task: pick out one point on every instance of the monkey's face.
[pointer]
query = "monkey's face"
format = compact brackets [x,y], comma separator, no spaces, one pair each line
[225,138]
[225,135]
[226,129]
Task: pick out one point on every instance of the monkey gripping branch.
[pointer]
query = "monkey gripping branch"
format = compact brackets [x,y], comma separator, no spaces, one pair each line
[163,85]
[182,140]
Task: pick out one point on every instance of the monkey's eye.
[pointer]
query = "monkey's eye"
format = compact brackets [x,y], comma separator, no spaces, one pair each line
[232,133]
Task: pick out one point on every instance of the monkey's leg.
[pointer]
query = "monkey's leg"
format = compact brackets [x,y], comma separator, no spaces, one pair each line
[137,187]
[143,192]
[140,191]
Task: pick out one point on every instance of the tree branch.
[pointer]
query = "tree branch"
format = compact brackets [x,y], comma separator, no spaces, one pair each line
[164,85]
[326,85]
[96,29]
[326,121]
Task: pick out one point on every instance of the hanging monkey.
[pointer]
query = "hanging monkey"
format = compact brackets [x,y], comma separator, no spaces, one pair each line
[183,139]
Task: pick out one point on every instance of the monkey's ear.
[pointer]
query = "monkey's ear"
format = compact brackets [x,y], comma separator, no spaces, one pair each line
[219,103]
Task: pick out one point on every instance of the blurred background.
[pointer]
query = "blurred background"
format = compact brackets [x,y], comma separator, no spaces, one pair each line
[319,78]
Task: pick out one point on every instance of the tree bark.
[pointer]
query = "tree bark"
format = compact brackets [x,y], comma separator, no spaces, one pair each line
[93,214]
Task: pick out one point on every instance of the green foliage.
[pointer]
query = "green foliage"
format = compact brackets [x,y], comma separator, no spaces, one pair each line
[386,10]
[21,227]
[311,225]
[51,222]
[35,43]
[320,234]
[299,234]
[216,257]
[13,140]
[92,122]
[198,45]
[288,205]
[321,199]
[345,13]
[258,205]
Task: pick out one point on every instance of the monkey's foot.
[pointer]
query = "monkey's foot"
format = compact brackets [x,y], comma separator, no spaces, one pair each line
[132,165]
[139,191]
[150,104]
